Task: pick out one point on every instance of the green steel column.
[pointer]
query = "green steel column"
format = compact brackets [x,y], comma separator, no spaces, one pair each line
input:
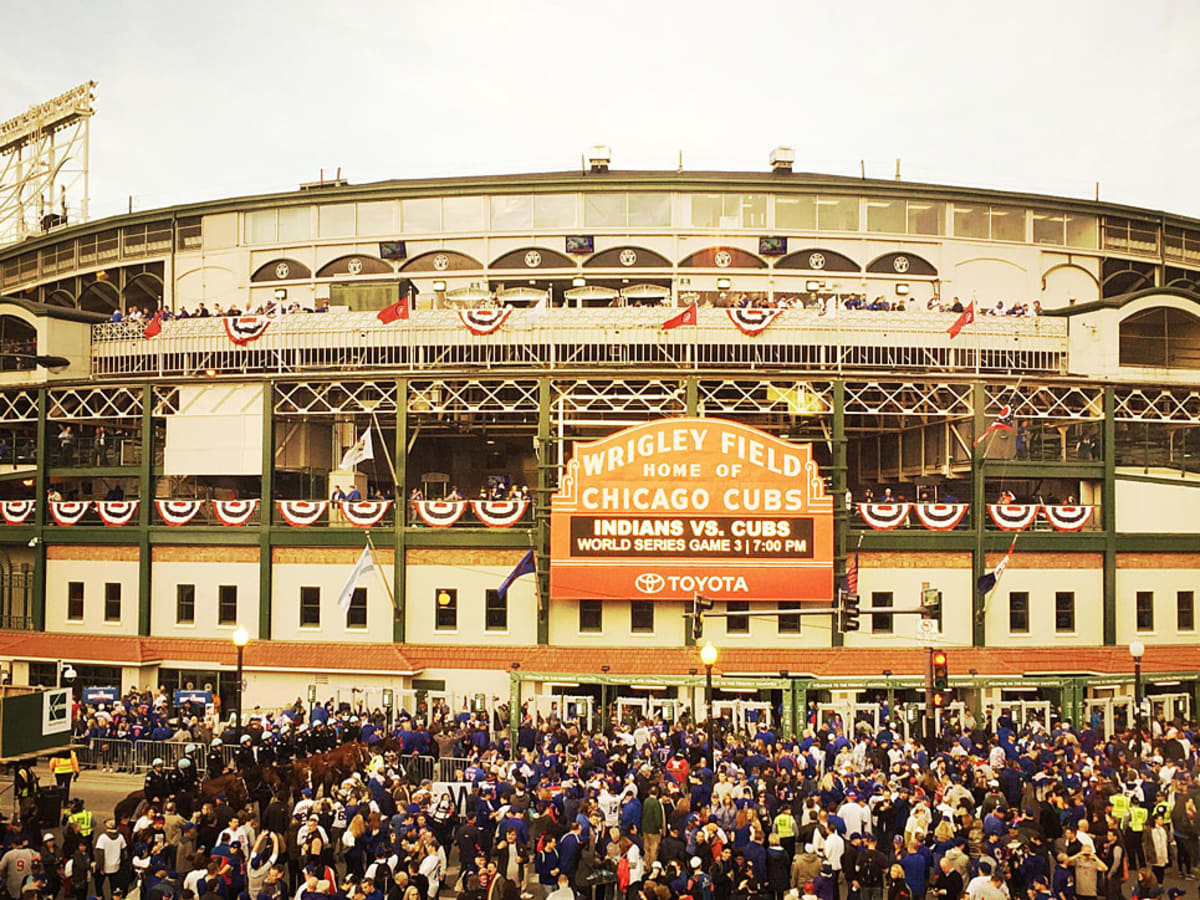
[1108,515]
[267,493]
[839,498]
[978,518]
[400,459]
[788,717]
[800,689]
[514,710]
[146,493]
[38,607]
[542,510]
[691,395]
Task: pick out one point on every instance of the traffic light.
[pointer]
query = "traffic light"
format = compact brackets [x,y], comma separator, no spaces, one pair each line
[937,700]
[699,605]
[940,666]
[847,612]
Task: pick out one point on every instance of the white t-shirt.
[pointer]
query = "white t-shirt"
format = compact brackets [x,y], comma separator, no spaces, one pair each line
[111,845]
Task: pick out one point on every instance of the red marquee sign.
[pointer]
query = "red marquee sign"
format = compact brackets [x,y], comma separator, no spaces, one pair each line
[679,507]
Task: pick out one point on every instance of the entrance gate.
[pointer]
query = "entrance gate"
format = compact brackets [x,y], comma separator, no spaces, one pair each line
[1170,706]
[577,709]
[1108,707]
[738,712]
[1023,712]
[630,710]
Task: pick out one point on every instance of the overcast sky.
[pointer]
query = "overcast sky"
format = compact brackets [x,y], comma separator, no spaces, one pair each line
[204,100]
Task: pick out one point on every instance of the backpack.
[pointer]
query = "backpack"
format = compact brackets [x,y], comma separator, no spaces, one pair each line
[623,874]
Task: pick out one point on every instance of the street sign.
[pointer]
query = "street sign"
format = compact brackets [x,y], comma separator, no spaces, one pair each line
[927,630]
[312,693]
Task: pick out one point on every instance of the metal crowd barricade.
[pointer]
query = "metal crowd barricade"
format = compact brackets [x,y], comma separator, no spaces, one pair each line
[450,768]
[108,754]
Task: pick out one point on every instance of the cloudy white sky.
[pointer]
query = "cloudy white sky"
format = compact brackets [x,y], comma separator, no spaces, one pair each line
[204,100]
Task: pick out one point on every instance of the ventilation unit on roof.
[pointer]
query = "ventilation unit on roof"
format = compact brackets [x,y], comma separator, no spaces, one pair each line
[335,182]
[598,158]
[782,159]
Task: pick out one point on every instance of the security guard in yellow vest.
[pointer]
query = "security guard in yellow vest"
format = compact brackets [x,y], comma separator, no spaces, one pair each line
[83,820]
[65,769]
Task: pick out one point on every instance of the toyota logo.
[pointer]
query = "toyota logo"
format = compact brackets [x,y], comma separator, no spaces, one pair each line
[650,582]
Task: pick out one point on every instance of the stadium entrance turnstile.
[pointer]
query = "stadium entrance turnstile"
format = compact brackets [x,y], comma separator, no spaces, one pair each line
[852,715]
[631,710]
[1109,707]
[1169,706]
[568,708]
[739,712]
[1023,712]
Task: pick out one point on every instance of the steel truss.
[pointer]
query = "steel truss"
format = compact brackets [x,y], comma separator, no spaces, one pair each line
[616,401]
[326,398]
[112,402]
[1177,405]
[19,406]
[1044,401]
[449,397]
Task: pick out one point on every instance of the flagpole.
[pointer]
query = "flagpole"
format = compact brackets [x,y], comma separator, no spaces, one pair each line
[382,578]
[386,455]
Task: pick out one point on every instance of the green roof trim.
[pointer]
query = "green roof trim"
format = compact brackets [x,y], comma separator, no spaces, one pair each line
[1121,299]
[43,310]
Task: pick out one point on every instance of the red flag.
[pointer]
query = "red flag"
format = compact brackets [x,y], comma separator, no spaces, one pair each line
[965,318]
[154,326]
[686,317]
[398,310]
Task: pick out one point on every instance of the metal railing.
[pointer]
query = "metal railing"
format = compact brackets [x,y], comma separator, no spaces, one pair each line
[120,755]
[579,338]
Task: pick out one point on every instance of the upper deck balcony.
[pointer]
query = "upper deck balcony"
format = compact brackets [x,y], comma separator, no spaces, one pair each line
[560,339]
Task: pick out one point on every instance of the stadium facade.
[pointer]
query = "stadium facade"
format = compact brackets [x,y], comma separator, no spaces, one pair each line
[1098,478]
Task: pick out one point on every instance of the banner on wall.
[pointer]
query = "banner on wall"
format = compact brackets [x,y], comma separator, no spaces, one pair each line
[679,507]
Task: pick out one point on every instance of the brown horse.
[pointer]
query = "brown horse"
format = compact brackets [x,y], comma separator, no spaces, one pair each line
[232,786]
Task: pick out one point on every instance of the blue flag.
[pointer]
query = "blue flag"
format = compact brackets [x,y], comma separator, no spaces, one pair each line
[525,567]
[988,581]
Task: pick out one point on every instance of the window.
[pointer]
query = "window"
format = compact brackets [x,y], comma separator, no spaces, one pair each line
[886,215]
[465,213]
[971,221]
[185,604]
[729,210]
[1144,608]
[837,214]
[356,615]
[734,623]
[591,616]
[641,616]
[789,623]
[1001,223]
[423,214]
[512,211]
[1185,611]
[495,611]
[310,607]
[112,602]
[1161,337]
[336,221]
[796,213]
[926,217]
[75,601]
[227,604]
[377,218]
[1064,611]
[295,223]
[1130,235]
[654,210]
[555,211]
[445,609]
[604,210]
[260,226]
[882,623]
[1008,224]
[1018,612]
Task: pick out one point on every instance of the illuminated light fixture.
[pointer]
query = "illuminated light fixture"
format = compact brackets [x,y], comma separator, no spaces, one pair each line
[439,287]
[443,598]
[102,275]
[578,281]
[723,284]
[708,654]
[280,293]
[560,684]
[648,687]
[210,373]
[241,637]
[27,482]
[812,285]
[902,289]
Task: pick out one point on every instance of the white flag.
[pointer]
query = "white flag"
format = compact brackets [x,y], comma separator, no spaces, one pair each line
[358,451]
[361,568]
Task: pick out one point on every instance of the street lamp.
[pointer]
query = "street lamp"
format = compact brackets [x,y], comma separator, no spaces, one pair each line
[240,638]
[708,656]
[1137,650]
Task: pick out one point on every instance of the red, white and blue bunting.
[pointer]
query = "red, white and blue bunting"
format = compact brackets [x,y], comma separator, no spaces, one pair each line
[1068,518]
[940,516]
[884,516]
[499,513]
[752,321]
[177,512]
[365,513]
[1013,517]
[244,329]
[301,513]
[116,512]
[483,321]
[440,513]
[15,512]
[69,512]
[235,512]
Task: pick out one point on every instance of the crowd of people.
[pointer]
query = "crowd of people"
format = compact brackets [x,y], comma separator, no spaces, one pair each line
[990,810]
[828,302]
[203,311]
